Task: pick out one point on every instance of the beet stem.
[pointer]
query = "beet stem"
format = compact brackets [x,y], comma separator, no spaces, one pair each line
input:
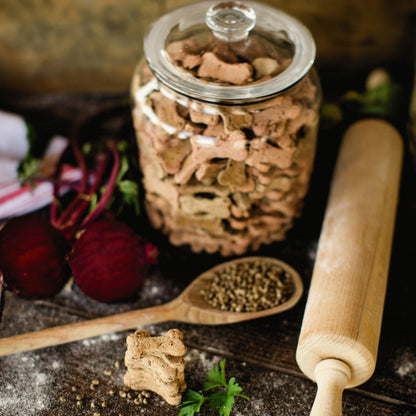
[72,216]
[71,219]
[81,162]
[105,198]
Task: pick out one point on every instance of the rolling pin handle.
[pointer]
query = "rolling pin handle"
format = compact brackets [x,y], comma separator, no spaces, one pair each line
[332,376]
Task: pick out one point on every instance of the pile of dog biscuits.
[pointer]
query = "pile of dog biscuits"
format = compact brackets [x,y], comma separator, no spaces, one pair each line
[156,364]
[224,179]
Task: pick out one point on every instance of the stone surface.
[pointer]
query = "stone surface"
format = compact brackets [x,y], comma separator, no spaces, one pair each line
[89,47]
[72,46]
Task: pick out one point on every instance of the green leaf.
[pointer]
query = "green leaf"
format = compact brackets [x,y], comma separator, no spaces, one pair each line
[216,377]
[235,389]
[124,166]
[191,403]
[223,401]
[188,410]
[130,191]
[128,187]
[28,167]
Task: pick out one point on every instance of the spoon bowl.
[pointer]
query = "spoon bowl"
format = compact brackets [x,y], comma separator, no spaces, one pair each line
[196,310]
[190,307]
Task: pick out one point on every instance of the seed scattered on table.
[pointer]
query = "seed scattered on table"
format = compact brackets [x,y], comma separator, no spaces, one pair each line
[138,400]
[100,394]
[249,286]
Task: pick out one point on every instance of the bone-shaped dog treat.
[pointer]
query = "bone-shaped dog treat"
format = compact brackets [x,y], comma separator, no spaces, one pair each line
[235,120]
[232,148]
[189,166]
[265,66]
[184,52]
[156,364]
[263,154]
[216,130]
[212,67]
[204,118]
[267,121]
[304,118]
[204,221]
[236,177]
[166,110]
[283,140]
[173,154]
[208,171]
[200,240]
[192,204]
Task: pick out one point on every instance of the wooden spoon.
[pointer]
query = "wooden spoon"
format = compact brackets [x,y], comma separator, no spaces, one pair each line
[189,307]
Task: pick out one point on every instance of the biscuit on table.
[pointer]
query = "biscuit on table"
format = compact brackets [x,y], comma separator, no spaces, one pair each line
[156,364]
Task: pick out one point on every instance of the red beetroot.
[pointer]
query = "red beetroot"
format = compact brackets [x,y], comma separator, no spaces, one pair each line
[109,261]
[33,257]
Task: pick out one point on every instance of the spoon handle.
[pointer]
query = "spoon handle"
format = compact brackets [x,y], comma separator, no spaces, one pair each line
[87,329]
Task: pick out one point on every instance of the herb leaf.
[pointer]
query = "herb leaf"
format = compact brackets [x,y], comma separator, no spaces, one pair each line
[216,377]
[191,403]
[222,400]
[235,389]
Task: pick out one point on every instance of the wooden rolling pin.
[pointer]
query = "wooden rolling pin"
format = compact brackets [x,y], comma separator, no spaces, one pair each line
[341,326]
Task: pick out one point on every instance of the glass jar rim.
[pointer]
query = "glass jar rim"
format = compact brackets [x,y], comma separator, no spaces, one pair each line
[267,18]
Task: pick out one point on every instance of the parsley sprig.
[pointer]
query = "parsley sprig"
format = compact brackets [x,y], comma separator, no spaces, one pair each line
[221,400]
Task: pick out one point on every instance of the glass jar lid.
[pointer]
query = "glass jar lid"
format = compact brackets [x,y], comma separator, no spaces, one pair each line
[229,52]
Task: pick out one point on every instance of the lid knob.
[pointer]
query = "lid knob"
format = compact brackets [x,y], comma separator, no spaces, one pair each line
[230,21]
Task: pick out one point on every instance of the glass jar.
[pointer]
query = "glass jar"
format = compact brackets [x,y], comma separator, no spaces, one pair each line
[226,109]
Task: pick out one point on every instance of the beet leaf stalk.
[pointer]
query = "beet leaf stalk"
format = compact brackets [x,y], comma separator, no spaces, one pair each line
[77,214]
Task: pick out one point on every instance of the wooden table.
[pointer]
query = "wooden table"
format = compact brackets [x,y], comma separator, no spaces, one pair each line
[260,354]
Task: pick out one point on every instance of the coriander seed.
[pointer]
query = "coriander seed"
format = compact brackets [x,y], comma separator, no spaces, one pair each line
[249,286]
